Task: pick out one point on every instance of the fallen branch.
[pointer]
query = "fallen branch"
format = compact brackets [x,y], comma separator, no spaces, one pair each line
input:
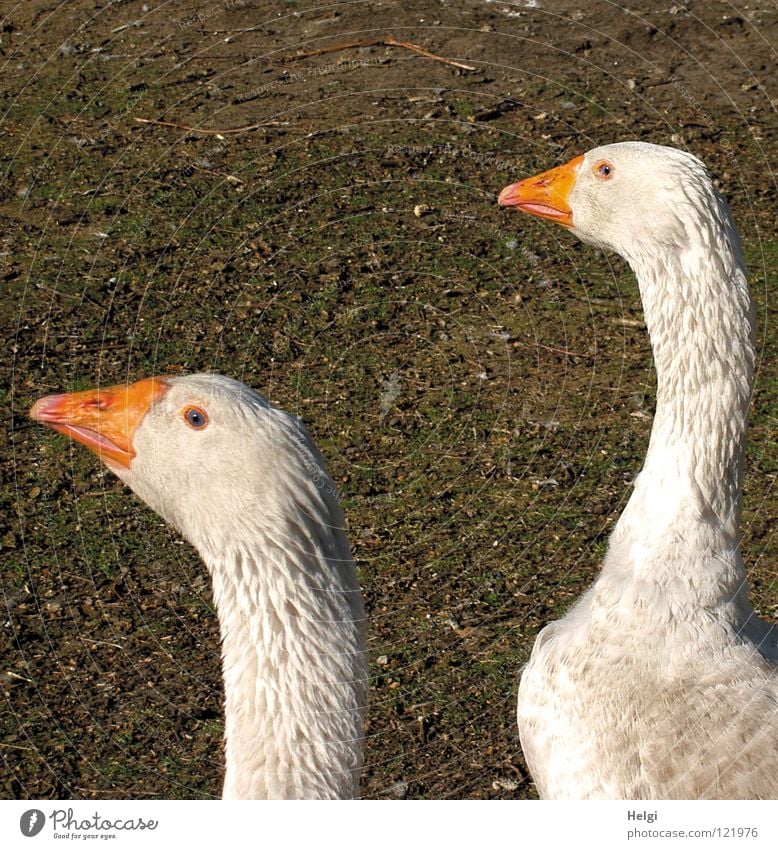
[231,178]
[138,23]
[247,129]
[380,42]
[564,351]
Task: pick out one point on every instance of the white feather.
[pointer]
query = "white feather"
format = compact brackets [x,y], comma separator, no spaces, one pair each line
[661,682]
[251,493]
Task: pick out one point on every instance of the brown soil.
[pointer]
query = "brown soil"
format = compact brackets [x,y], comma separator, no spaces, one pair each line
[481,385]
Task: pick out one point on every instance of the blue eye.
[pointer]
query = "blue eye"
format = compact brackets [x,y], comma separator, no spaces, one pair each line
[603,170]
[195,418]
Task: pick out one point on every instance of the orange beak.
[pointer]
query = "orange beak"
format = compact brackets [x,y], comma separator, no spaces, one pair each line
[105,420]
[545,195]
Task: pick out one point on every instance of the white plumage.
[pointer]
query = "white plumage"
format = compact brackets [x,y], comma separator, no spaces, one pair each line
[662,682]
[244,483]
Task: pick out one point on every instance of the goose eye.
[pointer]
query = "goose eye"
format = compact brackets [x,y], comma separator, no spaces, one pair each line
[196,418]
[603,170]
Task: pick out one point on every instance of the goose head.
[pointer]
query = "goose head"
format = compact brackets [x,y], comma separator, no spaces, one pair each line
[204,451]
[243,482]
[630,197]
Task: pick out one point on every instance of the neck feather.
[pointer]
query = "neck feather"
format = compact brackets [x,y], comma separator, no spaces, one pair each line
[293,651]
[686,505]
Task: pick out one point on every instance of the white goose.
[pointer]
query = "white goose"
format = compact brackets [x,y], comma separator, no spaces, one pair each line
[244,483]
[661,682]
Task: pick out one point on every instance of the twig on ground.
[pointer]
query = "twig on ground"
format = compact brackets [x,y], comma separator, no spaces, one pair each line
[380,42]
[229,177]
[212,132]
[128,25]
[565,351]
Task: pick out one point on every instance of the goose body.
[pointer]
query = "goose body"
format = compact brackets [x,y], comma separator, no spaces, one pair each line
[661,682]
[244,483]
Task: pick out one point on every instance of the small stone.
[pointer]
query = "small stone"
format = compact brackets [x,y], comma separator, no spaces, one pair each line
[399,790]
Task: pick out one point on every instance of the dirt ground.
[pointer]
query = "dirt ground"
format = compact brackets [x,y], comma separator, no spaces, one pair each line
[325,228]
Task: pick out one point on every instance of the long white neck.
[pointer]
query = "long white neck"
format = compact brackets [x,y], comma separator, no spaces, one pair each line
[682,521]
[292,627]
